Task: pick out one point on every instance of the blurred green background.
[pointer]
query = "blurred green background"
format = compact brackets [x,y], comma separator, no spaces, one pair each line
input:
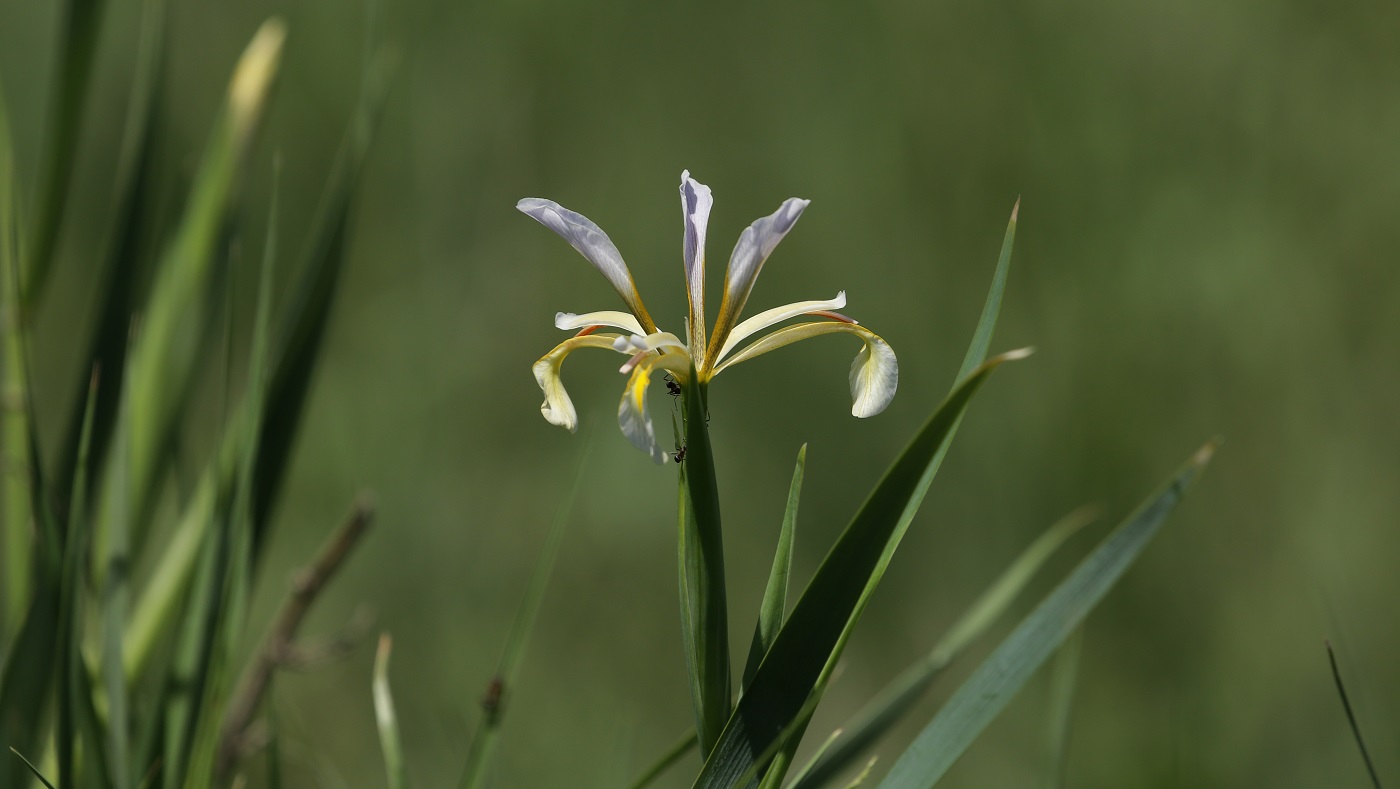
[1206,246]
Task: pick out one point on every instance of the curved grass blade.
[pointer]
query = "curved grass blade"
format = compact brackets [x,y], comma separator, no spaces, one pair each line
[18,514]
[1002,674]
[1351,717]
[32,769]
[1064,674]
[702,572]
[891,703]
[302,327]
[774,606]
[805,652]
[125,243]
[81,21]
[165,354]
[497,694]
[385,718]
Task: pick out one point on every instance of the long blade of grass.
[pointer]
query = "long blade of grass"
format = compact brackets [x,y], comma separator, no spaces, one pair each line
[976,354]
[503,683]
[1351,717]
[165,354]
[895,699]
[1064,675]
[702,572]
[32,769]
[805,652]
[302,327]
[125,253]
[774,606]
[386,719]
[116,599]
[18,514]
[81,21]
[1002,675]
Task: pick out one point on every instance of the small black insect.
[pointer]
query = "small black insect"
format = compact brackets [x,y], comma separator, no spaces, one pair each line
[679,454]
[672,388]
[491,701]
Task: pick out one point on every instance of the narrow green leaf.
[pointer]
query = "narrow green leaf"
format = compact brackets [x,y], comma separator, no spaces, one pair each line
[503,683]
[702,572]
[1351,718]
[987,322]
[1001,675]
[166,351]
[774,605]
[18,515]
[80,20]
[889,705]
[801,659]
[125,255]
[116,599]
[32,769]
[385,718]
[302,327]
[1064,674]
[683,745]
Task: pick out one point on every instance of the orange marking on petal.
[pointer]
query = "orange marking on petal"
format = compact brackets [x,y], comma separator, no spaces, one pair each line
[587,330]
[836,316]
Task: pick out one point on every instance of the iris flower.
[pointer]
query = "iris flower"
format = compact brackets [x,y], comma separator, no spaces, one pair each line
[874,373]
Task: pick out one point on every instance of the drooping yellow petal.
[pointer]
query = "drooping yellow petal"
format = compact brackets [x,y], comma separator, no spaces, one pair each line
[557,408]
[768,318]
[613,318]
[874,373]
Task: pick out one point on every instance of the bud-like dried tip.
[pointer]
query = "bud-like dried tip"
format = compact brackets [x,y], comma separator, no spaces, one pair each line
[247,92]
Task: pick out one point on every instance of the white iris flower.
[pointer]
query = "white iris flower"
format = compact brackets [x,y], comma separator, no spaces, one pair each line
[874,374]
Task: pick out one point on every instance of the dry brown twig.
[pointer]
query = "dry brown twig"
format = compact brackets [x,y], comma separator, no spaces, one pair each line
[279,649]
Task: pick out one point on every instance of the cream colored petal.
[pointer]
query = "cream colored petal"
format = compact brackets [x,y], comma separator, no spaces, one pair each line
[632,414]
[591,242]
[874,373]
[647,342]
[557,408]
[768,318]
[755,244]
[613,318]
[695,211]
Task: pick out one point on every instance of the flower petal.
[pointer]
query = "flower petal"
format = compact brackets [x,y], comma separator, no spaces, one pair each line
[557,408]
[755,244]
[632,414]
[591,242]
[874,373]
[695,209]
[767,318]
[647,342]
[615,318]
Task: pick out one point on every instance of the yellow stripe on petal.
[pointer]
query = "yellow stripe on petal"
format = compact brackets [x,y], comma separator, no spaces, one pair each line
[874,373]
[632,414]
[557,408]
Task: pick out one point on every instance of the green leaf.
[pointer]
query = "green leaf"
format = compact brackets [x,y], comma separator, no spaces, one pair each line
[385,718]
[701,544]
[987,322]
[302,327]
[895,699]
[503,683]
[1002,675]
[80,20]
[18,513]
[32,769]
[774,606]
[1064,674]
[166,350]
[801,659]
[1351,718]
